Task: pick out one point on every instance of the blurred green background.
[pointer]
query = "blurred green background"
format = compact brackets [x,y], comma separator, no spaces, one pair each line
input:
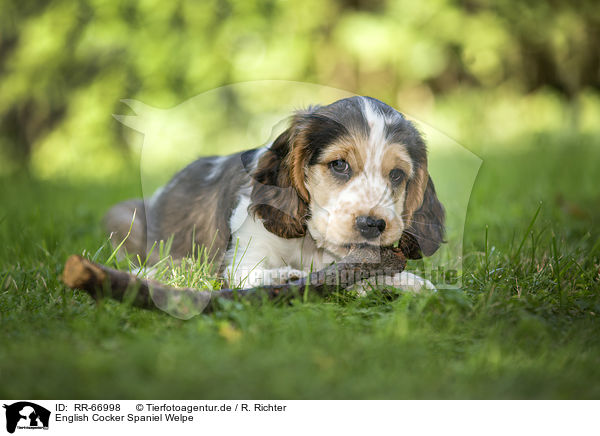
[485,73]
[517,83]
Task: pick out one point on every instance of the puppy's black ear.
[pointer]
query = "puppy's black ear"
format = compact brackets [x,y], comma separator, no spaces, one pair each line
[425,230]
[277,198]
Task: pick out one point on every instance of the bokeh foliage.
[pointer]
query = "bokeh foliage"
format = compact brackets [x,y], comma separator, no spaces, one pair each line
[518,82]
[473,68]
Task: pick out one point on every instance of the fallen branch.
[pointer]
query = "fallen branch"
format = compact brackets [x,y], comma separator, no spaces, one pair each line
[362,262]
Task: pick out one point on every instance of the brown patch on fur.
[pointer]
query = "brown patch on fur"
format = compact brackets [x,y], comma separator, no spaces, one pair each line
[279,196]
[415,190]
[346,149]
[297,164]
[425,228]
[396,156]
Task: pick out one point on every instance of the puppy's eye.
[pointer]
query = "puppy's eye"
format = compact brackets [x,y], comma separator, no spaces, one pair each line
[397,176]
[341,168]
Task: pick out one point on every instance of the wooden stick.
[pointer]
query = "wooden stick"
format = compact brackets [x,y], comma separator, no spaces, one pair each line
[101,281]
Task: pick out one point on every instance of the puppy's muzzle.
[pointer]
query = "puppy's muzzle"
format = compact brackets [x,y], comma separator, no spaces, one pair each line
[370,227]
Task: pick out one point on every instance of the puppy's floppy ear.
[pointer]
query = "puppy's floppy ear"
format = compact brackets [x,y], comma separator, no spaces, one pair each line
[279,196]
[425,228]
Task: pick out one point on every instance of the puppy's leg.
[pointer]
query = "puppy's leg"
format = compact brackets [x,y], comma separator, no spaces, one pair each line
[253,277]
[411,282]
[279,276]
[405,281]
[118,221]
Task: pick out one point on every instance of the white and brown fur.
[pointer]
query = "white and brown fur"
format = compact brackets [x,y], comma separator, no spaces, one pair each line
[279,211]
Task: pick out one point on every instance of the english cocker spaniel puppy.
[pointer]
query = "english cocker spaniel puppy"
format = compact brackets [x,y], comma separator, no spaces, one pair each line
[351,172]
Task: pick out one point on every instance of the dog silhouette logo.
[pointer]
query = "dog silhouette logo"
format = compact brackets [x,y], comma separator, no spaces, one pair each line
[26,415]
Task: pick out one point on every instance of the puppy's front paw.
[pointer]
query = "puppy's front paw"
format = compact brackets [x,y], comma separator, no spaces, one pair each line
[285,275]
[411,282]
[405,281]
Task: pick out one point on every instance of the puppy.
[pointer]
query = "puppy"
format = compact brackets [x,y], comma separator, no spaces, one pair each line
[352,172]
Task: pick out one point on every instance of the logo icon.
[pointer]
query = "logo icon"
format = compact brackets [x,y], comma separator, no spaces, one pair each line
[26,415]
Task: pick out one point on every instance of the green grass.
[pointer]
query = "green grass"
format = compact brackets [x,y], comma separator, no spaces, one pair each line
[526,325]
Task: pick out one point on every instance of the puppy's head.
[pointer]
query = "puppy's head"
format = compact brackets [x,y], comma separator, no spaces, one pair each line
[354,171]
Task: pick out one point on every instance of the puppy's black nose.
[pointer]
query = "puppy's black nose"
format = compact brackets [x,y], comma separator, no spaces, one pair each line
[370,227]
